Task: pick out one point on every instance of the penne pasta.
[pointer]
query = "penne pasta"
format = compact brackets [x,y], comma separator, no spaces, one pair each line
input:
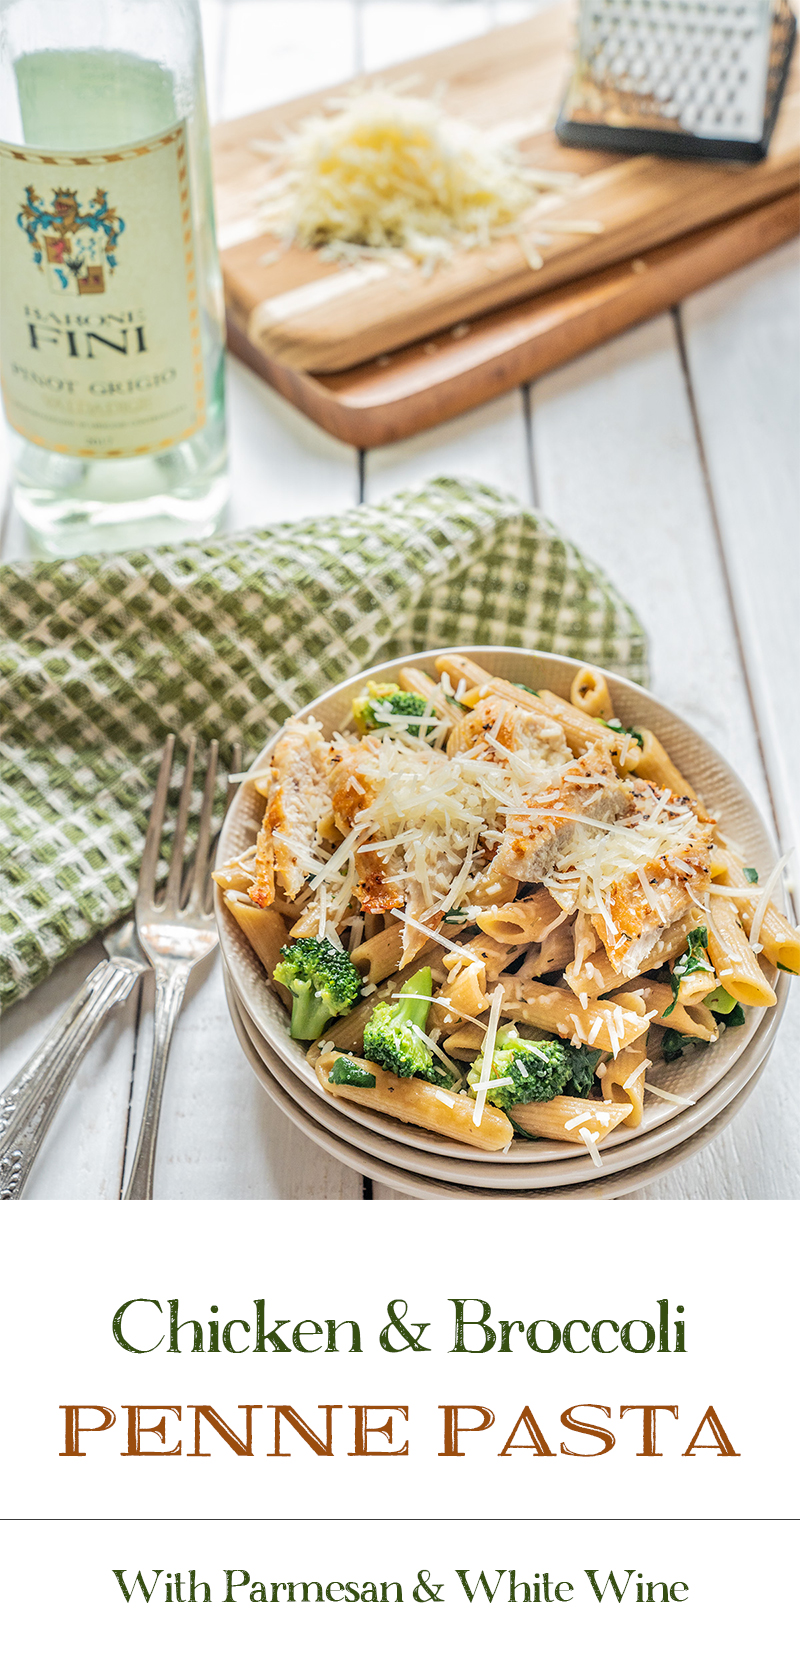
[597,973]
[654,764]
[416,682]
[265,930]
[623,1082]
[481,948]
[691,1018]
[236,876]
[466,1038]
[381,954]
[450,1113]
[550,957]
[779,941]
[465,994]
[607,1024]
[589,692]
[734,959]
[564,1118]
[521,921]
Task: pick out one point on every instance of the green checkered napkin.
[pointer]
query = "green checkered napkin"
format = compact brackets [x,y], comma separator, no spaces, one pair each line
[104,655]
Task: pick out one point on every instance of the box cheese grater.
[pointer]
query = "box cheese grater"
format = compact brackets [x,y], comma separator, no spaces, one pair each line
[689,78]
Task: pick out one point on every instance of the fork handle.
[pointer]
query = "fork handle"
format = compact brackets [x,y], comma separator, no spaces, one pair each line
[171,981]
[29,1104]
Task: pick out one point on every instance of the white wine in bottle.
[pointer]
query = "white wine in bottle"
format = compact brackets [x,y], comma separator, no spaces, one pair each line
[111,310]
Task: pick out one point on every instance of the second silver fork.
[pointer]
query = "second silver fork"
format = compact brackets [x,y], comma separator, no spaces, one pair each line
[176,932]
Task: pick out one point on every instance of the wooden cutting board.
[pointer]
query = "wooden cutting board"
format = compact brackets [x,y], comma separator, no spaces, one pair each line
[313,317]
[403,392]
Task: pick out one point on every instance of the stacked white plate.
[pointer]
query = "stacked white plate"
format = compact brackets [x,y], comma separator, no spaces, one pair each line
[707,1087]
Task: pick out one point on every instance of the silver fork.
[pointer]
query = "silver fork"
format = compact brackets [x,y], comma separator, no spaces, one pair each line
[175,934]
[29,1104]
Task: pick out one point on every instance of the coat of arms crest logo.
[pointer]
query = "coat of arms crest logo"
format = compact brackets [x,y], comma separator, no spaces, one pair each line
[75,248]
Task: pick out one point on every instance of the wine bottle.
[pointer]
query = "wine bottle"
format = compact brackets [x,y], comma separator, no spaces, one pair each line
[111,310]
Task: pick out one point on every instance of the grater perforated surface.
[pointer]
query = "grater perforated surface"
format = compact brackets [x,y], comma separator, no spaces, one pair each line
[704,68]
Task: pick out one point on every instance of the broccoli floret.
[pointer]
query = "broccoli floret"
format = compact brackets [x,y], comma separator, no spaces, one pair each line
[323,981]
[392,1033]
[535,1071]
[347,1072]
[381,702]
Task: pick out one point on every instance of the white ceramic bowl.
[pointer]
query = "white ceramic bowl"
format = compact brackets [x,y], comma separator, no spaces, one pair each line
[691,1078]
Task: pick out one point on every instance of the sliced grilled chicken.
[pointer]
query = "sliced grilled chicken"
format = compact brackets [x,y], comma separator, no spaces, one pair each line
[588,789]
[496,723]
[296,802]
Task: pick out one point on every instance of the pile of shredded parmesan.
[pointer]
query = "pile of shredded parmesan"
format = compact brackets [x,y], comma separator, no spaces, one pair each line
[391,176]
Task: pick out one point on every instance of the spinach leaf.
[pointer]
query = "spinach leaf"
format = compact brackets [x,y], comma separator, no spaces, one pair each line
[620,729]
[583,1060]
[693,961]
[674,1043]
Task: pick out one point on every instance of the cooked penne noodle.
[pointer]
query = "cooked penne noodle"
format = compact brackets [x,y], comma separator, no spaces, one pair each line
[450,1113]
[598,975]
[694,987]
[236,876]
[550,957]
[692,1018]
[380,955]
[481,948]
[654,764]
[265,930]
[605,1024]
[734,959]
[582,730]
[564,1117]
[463,995]
[467,1037]
[307,923]
[779,941]
[523,920]
[416,682]
[589,692]
[623,1082]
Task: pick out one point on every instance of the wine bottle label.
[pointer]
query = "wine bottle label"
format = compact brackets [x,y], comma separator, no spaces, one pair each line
[100,348]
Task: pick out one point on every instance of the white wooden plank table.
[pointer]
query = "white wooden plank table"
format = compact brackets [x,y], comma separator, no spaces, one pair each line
[669,455]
